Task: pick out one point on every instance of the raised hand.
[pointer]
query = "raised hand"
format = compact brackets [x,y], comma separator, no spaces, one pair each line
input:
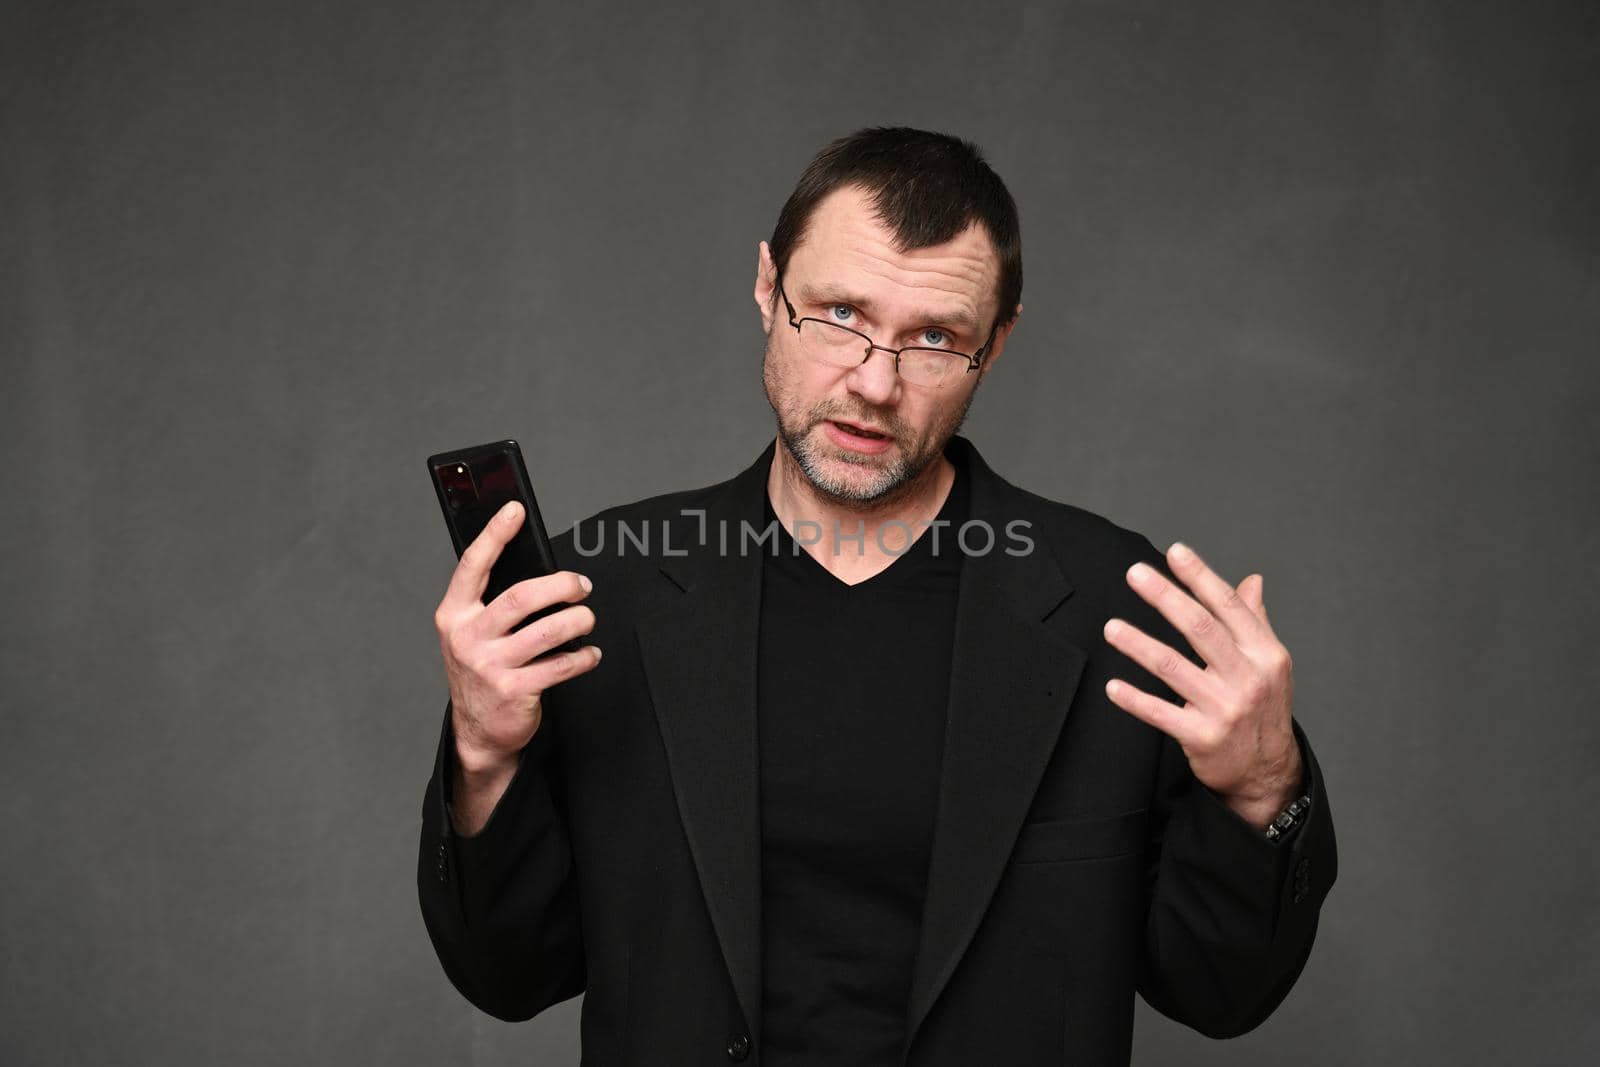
[1234,726]
[496,674]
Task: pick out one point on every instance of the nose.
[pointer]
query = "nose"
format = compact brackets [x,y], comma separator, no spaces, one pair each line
[875,380]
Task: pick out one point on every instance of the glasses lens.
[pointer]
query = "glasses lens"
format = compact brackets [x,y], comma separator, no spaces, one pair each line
[929,367]
[832,344]
[840,347]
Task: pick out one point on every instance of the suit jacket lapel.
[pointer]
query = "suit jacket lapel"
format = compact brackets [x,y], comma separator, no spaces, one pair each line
[1011,682]
[699,654]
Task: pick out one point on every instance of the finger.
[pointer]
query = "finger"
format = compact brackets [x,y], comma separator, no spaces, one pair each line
[1164,715]
[527,597]
[542,635]
[1220,598]
[552,670]
[1205,634]
[1261,600]
[1163,661]
[471,575]
[1250,589]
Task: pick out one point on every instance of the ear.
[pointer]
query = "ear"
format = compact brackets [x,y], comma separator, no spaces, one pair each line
[766,285]
[1001,335]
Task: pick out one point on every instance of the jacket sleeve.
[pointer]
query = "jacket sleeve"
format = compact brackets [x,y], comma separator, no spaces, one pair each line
[501,906]
[1232,915]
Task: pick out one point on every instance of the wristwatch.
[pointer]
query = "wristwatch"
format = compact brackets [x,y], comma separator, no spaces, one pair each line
[1289,818]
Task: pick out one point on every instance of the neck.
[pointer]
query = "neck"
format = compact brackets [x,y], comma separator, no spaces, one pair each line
[873,533]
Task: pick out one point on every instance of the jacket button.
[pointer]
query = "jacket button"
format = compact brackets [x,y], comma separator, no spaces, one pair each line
[443,864]
[1302,880]
[738,1047]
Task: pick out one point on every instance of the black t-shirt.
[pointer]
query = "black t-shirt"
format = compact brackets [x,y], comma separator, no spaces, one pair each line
[853,687]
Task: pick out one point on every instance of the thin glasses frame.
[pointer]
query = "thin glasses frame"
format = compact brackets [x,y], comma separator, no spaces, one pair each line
[974,360]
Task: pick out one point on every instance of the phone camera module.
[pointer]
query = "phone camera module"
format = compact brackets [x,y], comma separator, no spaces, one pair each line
[459,490]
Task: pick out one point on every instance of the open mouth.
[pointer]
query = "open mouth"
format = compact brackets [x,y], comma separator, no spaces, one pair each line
[858,431]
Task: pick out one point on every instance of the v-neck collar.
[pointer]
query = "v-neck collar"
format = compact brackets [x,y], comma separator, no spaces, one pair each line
[917,556]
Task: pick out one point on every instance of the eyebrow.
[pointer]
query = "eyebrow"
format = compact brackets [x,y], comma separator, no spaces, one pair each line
[830,294]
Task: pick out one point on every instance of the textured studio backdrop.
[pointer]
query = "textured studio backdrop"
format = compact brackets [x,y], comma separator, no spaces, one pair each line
[1314,287]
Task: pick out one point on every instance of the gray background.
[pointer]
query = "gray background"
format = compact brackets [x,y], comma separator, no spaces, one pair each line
[1312,286]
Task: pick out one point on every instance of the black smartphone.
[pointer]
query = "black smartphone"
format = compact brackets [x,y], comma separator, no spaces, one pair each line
[473,485]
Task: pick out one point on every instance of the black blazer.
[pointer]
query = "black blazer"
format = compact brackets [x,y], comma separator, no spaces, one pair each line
[1075,859]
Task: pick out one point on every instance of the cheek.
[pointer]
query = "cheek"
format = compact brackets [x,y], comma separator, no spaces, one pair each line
[775,369]
[927,417]
[800,383]
[788,388]
[934,421]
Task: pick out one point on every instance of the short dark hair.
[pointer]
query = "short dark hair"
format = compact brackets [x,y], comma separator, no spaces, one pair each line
[926,187]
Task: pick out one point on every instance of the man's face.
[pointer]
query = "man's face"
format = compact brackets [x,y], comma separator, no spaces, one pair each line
[846,270]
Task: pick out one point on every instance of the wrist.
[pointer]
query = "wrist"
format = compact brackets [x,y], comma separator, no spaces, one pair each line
[1260,811]
[1261,807]
[480,779]
[477,765]
[477,762]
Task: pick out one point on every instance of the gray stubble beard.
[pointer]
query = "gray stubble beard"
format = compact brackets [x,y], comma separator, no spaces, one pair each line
[898,476]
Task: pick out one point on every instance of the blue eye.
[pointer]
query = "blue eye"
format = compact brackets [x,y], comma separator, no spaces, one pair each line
[842,312]
[935,337]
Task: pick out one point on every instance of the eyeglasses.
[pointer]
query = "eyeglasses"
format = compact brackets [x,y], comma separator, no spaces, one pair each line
[840,346]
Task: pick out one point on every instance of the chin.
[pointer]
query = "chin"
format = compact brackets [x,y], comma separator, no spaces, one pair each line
[851,476]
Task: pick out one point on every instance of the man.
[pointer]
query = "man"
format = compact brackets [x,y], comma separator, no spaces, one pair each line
[939,772]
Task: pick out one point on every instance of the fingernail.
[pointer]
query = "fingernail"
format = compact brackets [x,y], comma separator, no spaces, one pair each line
[584,581]
[1181,550]
[1113,626]
[509,512]
[1140,571]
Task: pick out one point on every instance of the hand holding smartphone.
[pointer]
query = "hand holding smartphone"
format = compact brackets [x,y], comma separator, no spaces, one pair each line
[497,664]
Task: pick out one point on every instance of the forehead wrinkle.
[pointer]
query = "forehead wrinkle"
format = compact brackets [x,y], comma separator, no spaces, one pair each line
[960,258]
[959,284]
[956,278]
[966,279]
[833,293]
